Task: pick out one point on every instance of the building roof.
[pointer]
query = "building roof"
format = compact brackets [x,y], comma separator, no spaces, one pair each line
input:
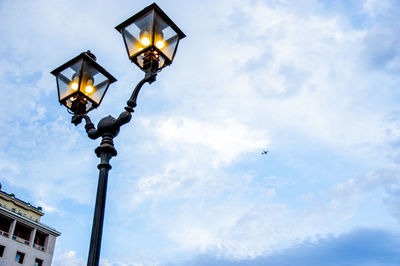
[20,203]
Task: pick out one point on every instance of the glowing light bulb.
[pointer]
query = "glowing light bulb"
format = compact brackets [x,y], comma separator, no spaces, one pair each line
[74,83]
[74,86]
[89,86]
[89,89]
[145,38]
[160,44]
[145,41]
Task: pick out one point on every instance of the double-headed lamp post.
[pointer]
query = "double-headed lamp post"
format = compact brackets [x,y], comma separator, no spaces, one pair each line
[151,39]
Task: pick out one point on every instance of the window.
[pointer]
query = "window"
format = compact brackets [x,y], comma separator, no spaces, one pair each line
[2,250]
[4,226]
[19,257]
[38,262]
[39,240]
[22,233]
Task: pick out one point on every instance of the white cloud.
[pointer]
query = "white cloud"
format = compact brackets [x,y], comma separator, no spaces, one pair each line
[376,7]
[68,258]
[214,143]
[47,208]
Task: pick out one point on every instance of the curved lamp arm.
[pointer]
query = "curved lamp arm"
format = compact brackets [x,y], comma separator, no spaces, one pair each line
[90,128]
[126,116]
[150,77]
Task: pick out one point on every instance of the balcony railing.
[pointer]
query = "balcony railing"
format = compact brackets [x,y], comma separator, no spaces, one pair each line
[4,233]
[21,240]
[39,247]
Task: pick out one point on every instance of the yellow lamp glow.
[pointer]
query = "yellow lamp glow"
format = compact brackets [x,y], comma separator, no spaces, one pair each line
[89,89]
[75,82]
[160,44]
[89,86]
[74,85]
[145,41]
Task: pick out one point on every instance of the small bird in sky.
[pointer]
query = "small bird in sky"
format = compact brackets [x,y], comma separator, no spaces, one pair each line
[264,152]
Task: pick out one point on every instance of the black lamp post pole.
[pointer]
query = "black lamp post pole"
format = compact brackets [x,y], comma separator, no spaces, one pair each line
[108,128]
[105,151]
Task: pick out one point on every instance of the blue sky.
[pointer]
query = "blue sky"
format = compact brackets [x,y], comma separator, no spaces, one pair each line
[314,82]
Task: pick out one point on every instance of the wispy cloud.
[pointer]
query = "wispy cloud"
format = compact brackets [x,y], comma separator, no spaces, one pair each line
[360,247]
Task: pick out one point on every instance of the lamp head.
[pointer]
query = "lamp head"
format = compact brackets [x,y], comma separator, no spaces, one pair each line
[151,38]
[82,83]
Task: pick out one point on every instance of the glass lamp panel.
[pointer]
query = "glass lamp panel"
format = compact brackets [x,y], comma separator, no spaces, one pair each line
[140,60]
[165,37]
[68,80]
[161,62]
[94,83]
[139,34]
[101,88]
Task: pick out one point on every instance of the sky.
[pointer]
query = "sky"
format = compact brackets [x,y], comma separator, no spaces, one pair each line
[316,83]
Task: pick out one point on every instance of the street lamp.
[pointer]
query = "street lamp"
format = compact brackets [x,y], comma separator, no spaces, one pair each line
[82,83]
[151,39]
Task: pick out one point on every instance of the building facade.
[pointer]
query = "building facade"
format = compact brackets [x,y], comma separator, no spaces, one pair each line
[24,240]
